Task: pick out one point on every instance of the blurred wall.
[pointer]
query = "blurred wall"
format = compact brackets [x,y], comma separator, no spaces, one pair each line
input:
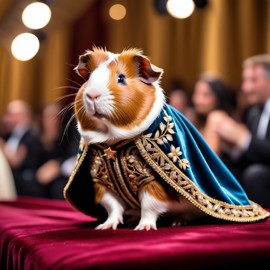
[216,38]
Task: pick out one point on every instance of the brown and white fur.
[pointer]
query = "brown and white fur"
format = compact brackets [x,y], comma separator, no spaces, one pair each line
[119,100]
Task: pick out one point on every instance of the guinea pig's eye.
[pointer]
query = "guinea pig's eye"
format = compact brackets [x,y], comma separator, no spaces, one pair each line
[121,79]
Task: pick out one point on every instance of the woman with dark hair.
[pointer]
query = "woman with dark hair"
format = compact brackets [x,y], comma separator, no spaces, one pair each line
[210,94]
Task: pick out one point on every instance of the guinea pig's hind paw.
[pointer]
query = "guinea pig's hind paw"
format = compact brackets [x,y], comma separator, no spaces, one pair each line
[145,226]
[110,224]
[180,222]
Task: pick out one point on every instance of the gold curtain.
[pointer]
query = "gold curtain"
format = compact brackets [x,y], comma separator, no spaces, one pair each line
[40,80]
[216,38]
[55,66]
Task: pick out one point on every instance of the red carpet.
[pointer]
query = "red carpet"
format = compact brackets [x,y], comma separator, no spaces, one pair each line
[41,234]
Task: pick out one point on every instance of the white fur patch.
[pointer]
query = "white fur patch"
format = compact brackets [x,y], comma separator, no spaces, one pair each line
[98,80]
[115,208]
[151,209]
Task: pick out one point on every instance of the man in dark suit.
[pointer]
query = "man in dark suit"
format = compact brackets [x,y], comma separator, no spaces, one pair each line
[22,149]
[249,141]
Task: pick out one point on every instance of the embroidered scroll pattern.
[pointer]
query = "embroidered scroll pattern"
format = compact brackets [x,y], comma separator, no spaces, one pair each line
[125,176]
[136,170]
[164,135]
[99,170]
[164,165]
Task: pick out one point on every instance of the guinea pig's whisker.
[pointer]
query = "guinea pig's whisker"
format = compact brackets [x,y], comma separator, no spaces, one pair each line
[68,87]
[65,87]
[59,99]
[74,102]
[82,109]
[74,82]
[69,123]
[66,109]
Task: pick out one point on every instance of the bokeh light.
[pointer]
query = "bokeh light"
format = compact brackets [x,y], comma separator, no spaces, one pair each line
[25,46]
[117,12]
[36,15]
[180,9]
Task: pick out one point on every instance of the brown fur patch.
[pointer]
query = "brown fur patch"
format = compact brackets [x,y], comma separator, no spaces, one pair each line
[133,101]
[99,192]
[158,191]
[97,57]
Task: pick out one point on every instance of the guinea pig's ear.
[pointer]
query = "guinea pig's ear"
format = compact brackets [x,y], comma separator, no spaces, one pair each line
[147,72]
[82,68]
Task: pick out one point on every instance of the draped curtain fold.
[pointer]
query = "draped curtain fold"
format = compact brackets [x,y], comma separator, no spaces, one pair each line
[216,39]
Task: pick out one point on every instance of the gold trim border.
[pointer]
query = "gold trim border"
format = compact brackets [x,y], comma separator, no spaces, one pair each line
[258,213]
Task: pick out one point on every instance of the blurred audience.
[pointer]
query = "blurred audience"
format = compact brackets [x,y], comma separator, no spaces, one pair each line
[21,148]
[248,142]
[59,151]
[210,94]
[36,162]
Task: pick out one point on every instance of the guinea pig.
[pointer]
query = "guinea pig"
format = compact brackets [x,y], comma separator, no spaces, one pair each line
[121,97]
[119,101]
[139,151]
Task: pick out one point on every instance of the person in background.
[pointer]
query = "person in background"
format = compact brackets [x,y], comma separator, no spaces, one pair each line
[21,148]
[59,151]
[248,141]
[179,99]
[210,94]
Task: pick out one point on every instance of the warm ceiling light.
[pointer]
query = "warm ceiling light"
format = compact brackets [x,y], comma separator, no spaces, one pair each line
[180,9]
[25,46]
[117,12]
[36,15]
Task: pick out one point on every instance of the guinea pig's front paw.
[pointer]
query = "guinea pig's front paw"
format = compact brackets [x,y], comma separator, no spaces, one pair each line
[111,223]
[146,224]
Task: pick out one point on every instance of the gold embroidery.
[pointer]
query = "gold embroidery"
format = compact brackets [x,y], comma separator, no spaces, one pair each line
[123,187]
[110,154]
[164,135]
[126,175]
[164,165]
[136,170]
[99,171]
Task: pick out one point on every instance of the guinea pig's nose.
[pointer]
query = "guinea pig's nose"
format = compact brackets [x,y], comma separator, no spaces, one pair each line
[93,94]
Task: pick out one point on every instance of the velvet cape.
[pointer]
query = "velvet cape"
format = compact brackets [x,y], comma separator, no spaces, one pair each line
[177,152]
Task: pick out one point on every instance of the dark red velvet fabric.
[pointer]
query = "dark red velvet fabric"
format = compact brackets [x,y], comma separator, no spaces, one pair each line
[41,234]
